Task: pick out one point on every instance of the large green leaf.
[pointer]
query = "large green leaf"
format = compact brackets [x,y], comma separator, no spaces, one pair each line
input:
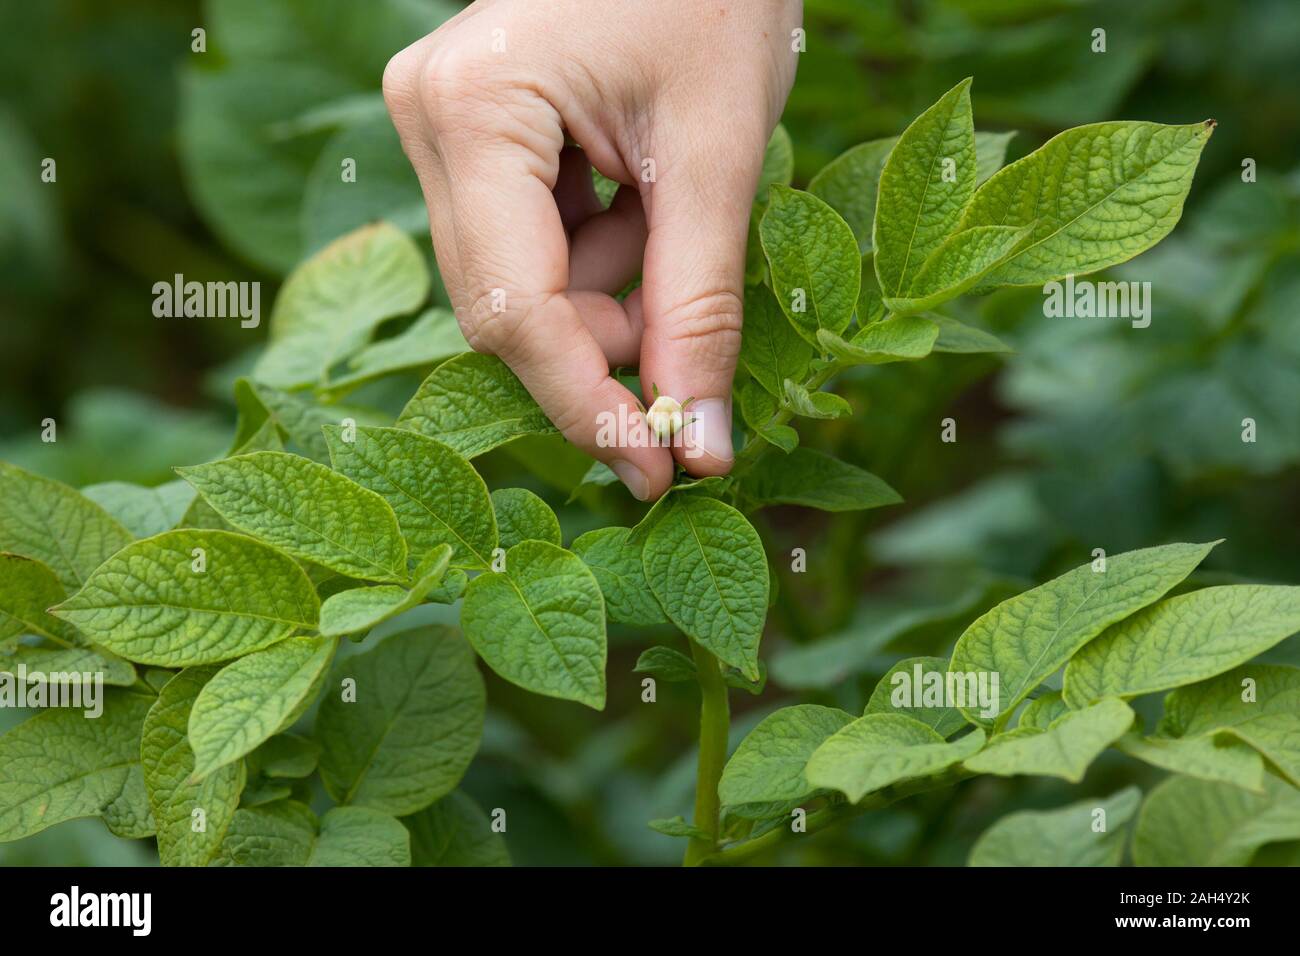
[410,729]
[473,403]
[1092,197]
[1026,639]
[901,339]
[1077,835]
[617,566]
[540,623]
[925,186]
[705,564]
[438,496]
[305,509]
[879,749]
[522,516]
[191,817]
[330,305]
[770,348]
[768,766]
[148,603]
[816,480]
[56,525]
[1190,822]
[254,698]
[1258,704]
[1183,640]
[66,665]
[58,765]
[814,261]
[1064,749]
[455,832]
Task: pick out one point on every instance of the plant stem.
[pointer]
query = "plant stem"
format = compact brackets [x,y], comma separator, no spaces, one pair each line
[757,447]
[715,725]
[830,816]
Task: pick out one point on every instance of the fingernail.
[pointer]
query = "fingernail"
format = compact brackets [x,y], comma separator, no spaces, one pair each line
[634,478]
[709,430]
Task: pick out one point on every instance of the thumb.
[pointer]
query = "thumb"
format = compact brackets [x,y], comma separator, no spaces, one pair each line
[692,292]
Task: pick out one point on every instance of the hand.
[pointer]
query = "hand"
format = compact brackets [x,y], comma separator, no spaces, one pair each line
[674,99]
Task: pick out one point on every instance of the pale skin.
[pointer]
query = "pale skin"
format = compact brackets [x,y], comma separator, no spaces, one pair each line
[503,111]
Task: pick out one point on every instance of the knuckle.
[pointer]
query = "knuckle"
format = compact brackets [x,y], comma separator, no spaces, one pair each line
[711,320]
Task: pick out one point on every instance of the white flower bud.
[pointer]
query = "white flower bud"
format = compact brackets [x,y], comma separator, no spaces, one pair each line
[664,417]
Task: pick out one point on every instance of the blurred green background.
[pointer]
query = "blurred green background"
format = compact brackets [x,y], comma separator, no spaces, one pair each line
[224,165]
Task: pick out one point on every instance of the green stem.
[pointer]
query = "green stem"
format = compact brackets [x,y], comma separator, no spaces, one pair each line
[757,447]
[830,816]
[715,725]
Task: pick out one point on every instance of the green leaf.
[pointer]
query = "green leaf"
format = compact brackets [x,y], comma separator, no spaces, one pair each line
[522,516]
[306,510]
[678,827]
[27,588]
[1258,704]
[540,623]
[814,404]
[815,264]
[901,339]
[473,403]
[299,418]
[705,564]
[1064,749]
[757,407]
[438,496]
[360,836]
[143,511]
[330,304]
[400,723]
[768,766]
[617,566]
[1092,196]
[455,832]
[357,610]
[1183,640]
[816,480]
[148,604]
[254,698]
[879,749]
[191,817]
[285,756]
[990,153]
[925,186]
[962,339]
[778,163]
[52,523]
[286,833]
[1207,758]
[431,338]
[667,664]
[66,665]
[1027,638]
[957,265]
[770,348]
[1190,822]
[57,765]
[919,701]
[849,182]
[711,487]
[1069,836]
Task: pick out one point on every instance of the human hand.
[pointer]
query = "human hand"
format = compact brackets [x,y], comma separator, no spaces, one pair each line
[674,99]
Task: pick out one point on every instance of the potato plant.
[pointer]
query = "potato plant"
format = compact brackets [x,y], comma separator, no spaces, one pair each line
[213,607]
